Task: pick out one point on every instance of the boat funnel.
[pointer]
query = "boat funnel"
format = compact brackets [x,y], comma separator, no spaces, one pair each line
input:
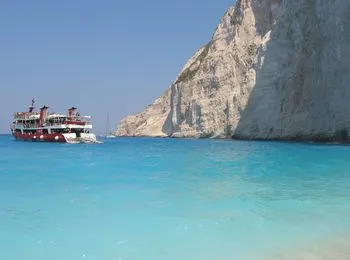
[43,114]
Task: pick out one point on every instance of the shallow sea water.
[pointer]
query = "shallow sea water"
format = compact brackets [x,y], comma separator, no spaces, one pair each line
[167,199]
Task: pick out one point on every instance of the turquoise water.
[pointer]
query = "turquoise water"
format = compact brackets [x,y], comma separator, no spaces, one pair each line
[165,199]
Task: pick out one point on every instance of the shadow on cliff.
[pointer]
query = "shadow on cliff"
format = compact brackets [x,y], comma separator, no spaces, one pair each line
[282,105]
[249,126]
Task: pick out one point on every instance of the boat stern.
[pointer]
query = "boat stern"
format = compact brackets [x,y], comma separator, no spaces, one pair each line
[83,138]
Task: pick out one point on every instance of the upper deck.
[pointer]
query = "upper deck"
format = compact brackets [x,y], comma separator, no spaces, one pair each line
[43,119]
[26,115]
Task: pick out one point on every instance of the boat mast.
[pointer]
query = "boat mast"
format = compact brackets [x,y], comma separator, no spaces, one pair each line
[31,107]
[107,124]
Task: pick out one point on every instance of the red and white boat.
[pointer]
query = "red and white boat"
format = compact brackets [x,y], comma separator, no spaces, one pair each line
[43,126]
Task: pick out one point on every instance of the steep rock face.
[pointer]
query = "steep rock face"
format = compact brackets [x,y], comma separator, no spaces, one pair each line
[212,90]
[302,87]
[272,70]
[149,122]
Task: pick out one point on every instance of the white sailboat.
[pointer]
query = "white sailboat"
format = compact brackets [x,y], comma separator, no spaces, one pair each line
[109,133]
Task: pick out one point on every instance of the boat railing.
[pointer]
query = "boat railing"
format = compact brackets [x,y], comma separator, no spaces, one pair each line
[30,126]
[24,115]
[80,120]
[33,116]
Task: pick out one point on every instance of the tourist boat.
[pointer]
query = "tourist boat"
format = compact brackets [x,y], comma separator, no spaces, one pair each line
[43,126]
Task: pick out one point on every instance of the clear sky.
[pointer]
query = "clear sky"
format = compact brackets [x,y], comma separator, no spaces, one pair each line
[99,56]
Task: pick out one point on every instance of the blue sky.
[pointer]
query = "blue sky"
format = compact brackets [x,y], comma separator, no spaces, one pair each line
[100,56]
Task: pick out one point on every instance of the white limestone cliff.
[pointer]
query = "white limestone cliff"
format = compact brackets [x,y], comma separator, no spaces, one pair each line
[272,70]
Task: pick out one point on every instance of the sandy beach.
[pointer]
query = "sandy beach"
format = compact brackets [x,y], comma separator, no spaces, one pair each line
[337,248]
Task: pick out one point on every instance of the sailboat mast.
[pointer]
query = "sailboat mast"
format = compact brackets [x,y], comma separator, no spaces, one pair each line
[107,124]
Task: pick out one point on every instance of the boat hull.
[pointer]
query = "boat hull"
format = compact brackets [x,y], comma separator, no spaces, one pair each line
[56,138]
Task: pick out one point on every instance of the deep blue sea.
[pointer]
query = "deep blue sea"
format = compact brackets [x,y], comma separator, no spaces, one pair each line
[167,199]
